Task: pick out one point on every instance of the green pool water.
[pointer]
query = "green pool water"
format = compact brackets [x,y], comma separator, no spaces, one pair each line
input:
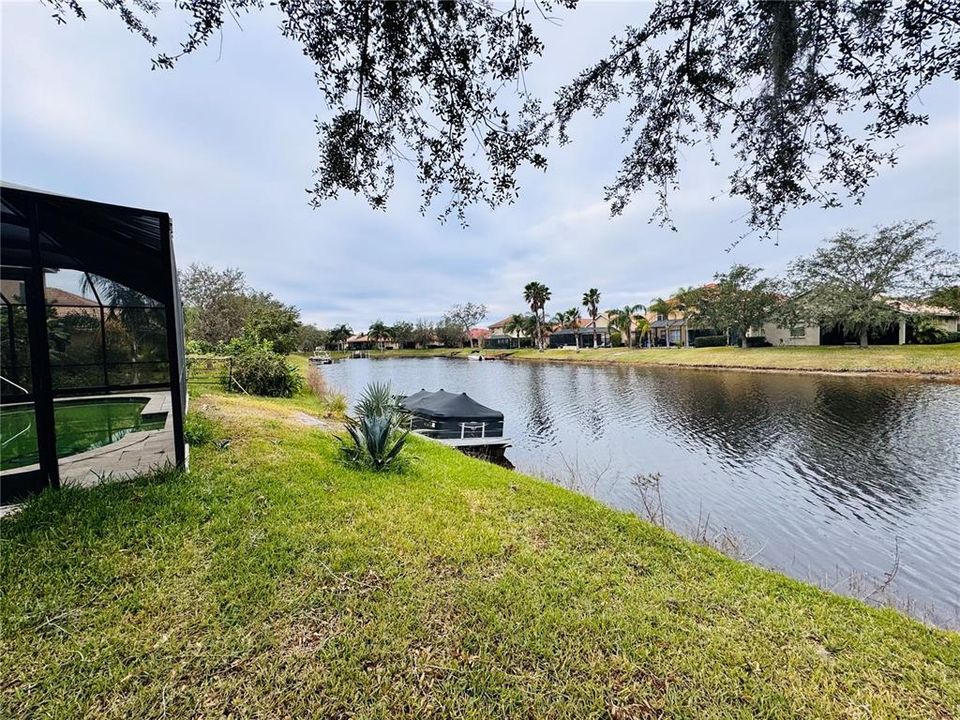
[81,425]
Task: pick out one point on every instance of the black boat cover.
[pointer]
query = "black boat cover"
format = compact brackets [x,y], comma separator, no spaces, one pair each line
[442,405]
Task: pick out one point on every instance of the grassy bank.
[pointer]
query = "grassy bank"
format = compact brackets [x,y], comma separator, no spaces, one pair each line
[273,582]
[910,359]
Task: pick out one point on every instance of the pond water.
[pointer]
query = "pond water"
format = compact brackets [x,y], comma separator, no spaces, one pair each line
[829,479]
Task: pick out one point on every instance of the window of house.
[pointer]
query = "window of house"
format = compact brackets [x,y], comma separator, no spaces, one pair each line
[661,316]
[798,331]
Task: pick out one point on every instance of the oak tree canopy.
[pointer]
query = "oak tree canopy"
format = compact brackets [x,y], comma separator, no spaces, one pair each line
[802,101]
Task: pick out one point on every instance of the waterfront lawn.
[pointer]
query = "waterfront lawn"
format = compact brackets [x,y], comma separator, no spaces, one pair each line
[928,359]
[273,582]
[918,359]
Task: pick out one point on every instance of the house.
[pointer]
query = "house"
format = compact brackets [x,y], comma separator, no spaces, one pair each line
[901,332]
[668,328]
[478,336]
[564,337]
[673,329]
[61,302]
[556,336]
[499,339]
[941,318]
[365,342]
[795,335]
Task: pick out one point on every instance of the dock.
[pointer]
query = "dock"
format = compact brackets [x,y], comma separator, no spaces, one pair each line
[491,449]
[476,442]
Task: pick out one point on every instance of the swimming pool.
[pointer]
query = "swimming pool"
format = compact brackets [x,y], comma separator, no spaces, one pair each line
[80,424]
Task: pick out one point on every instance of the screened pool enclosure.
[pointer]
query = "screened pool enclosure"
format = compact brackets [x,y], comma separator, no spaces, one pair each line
[92,381]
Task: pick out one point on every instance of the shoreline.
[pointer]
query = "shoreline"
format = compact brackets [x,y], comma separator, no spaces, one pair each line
[906,374]
[934,363]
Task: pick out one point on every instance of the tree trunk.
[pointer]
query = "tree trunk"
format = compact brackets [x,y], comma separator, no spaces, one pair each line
[864,340]
[594,332]
[743,341]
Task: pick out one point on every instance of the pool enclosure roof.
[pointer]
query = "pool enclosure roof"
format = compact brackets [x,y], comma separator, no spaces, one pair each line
[128,245]
[442,405]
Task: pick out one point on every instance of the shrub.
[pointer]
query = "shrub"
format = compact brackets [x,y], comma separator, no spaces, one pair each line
[337,405]
[375,439]
[926,332]
[197,429]
[935,336]
[758,341]
[260,371]
[710,341]
[317,383]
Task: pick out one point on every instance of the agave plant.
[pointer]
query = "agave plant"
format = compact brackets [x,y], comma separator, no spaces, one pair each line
[374,442]
[378,400]
[375,436]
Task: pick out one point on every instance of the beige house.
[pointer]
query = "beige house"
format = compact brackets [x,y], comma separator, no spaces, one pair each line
[942,318]
[796,335]
[499,338]
[668,328]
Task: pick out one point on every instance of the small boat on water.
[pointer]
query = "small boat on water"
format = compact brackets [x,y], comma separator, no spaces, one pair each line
[475,356]
[320,357]
[459,421]
[449,416]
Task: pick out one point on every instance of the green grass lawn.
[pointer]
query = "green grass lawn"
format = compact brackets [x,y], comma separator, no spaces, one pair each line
[274,582]
[922,359]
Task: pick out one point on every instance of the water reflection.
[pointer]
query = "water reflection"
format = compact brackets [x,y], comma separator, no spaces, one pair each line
[823,472]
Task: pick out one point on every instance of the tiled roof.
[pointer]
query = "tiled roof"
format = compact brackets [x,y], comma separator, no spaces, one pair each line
[915,308]
[500,323]
[56,296]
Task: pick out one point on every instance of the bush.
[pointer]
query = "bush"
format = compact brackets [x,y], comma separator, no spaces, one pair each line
[260,371]
[197,429]
[927,333]
[758,341]
[937,337]
[317,383]
[710,341]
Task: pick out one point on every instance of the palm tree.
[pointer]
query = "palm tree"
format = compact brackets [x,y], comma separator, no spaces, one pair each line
[567,320]
[591,301]
[662,307]
[643,327]
[682,301]
[536,294]
[571,321]
[340,334]
[128,308]
[516,324]
[623,318]
[377,332]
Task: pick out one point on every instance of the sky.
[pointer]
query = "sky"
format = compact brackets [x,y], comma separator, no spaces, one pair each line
[226,144]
